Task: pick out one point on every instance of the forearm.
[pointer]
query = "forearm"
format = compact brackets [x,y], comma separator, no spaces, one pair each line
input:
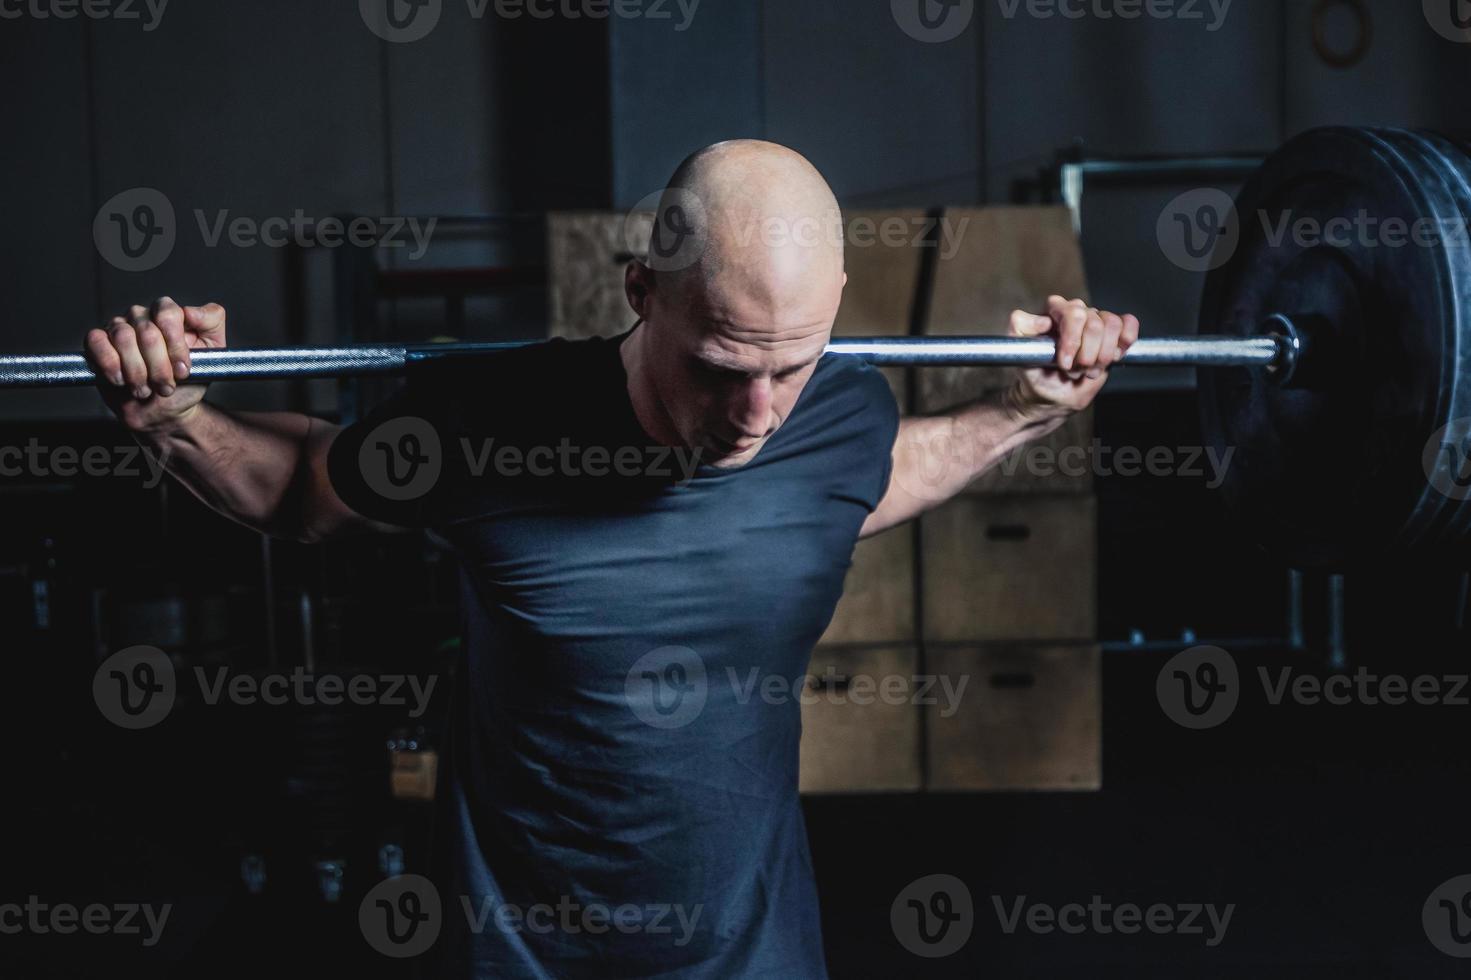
[937,456]
[261,469]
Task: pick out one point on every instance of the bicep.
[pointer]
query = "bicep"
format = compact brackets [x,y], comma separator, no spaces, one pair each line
[926,469]
[326,513]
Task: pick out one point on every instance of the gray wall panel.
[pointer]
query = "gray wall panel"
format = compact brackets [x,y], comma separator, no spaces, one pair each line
[673,92]
[1409,76]
[1129,86]
[45,159]
[888,118]
[256,110]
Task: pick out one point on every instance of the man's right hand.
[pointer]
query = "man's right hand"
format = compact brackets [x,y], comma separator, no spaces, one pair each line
[142,359]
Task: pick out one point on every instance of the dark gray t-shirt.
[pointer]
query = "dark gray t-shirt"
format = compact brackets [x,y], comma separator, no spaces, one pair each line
[619,791]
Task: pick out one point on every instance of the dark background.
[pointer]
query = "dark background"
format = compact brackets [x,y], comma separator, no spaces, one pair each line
[1326,826]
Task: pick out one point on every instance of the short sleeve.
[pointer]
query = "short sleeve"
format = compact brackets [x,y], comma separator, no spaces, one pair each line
[884,425]
[389,465]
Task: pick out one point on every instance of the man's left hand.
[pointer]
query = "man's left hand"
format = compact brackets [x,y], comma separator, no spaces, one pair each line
[1088,342]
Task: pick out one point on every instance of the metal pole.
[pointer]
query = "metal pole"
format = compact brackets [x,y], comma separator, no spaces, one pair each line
[58,370]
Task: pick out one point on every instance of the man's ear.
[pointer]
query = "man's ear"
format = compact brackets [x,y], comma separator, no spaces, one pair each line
[638,282]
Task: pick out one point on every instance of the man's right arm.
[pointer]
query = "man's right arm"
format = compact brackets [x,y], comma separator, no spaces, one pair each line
[266,470]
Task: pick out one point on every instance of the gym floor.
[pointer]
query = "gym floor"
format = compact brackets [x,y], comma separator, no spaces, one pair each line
[1074,820]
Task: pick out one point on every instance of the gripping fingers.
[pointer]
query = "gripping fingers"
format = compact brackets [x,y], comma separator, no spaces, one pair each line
[156,355]
[1128,335]
[1092,344]
[1024,324]
[104,356]
[135,371]
[1113,327]
[1069,319]
[170,320]
[207,323]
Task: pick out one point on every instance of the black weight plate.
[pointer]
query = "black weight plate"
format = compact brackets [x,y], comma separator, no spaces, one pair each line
[1443,523]
[1330,472]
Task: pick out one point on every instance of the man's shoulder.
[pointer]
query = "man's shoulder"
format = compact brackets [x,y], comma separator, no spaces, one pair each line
[553,354]
[526,376]
[845,386]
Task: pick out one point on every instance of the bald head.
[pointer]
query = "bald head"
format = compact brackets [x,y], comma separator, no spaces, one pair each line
[738,296]
[748,214]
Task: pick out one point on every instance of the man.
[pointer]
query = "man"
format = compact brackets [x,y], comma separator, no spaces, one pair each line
[652,526]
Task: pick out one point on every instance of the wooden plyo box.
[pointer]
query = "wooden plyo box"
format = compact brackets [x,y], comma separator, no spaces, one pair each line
[1010,568]
[854,742]
[1030,718]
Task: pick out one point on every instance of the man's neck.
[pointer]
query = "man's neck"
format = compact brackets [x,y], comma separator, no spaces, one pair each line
[648,409]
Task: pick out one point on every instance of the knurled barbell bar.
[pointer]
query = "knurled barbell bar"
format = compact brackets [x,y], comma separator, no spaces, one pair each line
[1276,352]
[1334,349]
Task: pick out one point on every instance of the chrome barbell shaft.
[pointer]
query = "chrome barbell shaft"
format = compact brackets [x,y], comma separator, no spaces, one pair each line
[63,370]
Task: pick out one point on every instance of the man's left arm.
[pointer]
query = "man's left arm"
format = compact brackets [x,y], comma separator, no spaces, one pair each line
[937,456]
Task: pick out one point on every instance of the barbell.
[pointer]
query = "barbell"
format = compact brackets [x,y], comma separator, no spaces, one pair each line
[1333,350]
[1275,352]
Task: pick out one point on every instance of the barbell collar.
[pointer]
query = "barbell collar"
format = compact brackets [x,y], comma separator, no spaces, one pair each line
[238,364]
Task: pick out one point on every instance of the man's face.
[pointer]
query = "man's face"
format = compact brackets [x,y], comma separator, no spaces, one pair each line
[729,362]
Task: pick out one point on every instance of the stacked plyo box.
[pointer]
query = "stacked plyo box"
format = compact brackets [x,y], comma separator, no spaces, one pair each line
[854,737]
[994,590]
[1000,582]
